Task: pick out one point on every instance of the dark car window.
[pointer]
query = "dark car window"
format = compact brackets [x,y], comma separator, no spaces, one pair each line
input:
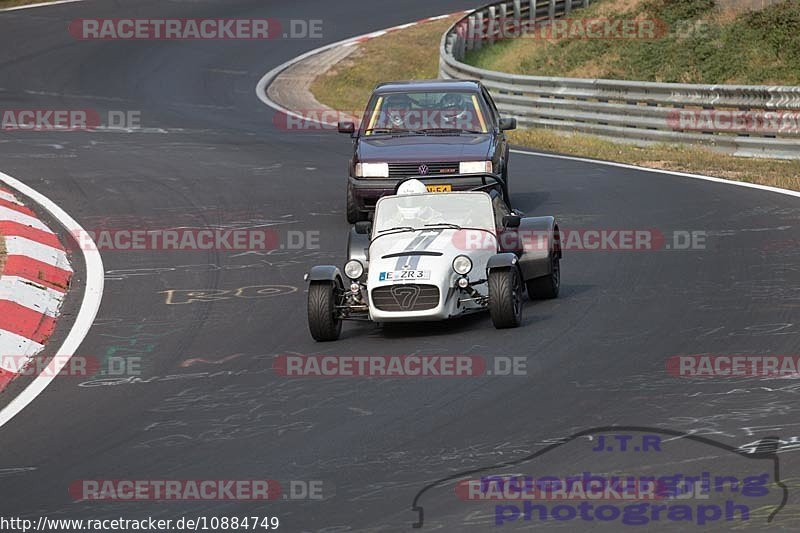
[417,112]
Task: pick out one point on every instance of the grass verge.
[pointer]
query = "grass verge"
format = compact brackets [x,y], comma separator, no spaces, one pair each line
[694,41]
[414,53]
[406,54]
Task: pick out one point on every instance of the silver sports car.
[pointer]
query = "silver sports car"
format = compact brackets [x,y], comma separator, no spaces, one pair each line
[434,256]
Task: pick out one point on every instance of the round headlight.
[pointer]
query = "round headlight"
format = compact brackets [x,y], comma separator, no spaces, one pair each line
[354,269]
[462,264]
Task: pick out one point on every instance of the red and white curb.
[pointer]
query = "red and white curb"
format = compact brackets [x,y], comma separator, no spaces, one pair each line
[92,287]
[33,284]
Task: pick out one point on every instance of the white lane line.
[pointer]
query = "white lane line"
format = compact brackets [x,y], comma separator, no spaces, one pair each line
[37,298]
[92,296]
[41,4]
[659,171]
[38,251]
[16,350]
[10,215]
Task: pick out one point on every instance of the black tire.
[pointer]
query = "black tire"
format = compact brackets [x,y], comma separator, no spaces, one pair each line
[322,322]
[505,297]
[353,214]
[546,287]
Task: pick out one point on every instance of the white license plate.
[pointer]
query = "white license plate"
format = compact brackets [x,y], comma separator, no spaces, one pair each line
[404,275]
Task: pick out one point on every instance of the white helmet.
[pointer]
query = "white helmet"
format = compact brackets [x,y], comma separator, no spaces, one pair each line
[412,187]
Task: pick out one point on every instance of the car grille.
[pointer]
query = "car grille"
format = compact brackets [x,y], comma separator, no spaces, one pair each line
[404,170]
[406,297]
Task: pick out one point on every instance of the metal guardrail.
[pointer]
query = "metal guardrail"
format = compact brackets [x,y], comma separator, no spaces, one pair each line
[753,121]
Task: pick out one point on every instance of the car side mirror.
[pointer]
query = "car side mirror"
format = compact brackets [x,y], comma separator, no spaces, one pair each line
[363,227]
[508,124]
[512,221]
[347,127]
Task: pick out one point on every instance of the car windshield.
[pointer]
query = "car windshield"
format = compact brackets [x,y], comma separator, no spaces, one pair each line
[425,112]
[423,211]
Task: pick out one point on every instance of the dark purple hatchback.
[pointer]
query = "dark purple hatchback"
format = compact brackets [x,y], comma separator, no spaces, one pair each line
[430,128]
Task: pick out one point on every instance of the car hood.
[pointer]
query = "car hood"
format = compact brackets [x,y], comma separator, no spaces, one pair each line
[408,245]
[421,148]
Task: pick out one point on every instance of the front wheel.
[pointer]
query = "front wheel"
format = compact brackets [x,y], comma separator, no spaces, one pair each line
[505,298]
[353,213]
[323,323]
[546,287]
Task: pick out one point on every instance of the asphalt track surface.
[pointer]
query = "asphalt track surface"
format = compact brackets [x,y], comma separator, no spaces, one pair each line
[595,356]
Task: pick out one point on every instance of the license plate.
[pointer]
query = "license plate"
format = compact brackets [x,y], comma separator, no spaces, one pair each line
[440,188]
[404,275]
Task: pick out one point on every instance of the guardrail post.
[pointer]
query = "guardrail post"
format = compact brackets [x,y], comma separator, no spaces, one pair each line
[532,14]
[585,3]
[517,10]
[551,10]
[567,7]
[478,43]
[491,25]
[502,25]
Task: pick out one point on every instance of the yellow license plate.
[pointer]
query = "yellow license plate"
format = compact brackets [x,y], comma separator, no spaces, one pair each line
[440,188]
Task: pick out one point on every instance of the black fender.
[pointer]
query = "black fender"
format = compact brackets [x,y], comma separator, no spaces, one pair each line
[325,273]
[502,260]
[358,247]
[536,242]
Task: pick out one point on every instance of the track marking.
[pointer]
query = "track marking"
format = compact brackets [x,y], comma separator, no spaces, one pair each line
[659,171]
[42,4]
[93,295]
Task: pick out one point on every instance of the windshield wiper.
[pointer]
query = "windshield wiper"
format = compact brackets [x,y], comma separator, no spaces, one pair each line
[445,224]
[392,131]
[398,228]
[448,130]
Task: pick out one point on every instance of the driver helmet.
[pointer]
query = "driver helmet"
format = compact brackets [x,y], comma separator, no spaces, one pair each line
[397,105]
[454,106]
[409,211]
[412,187]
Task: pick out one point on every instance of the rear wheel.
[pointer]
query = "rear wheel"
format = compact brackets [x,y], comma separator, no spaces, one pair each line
[323,323]
[505,297]
[546,287]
